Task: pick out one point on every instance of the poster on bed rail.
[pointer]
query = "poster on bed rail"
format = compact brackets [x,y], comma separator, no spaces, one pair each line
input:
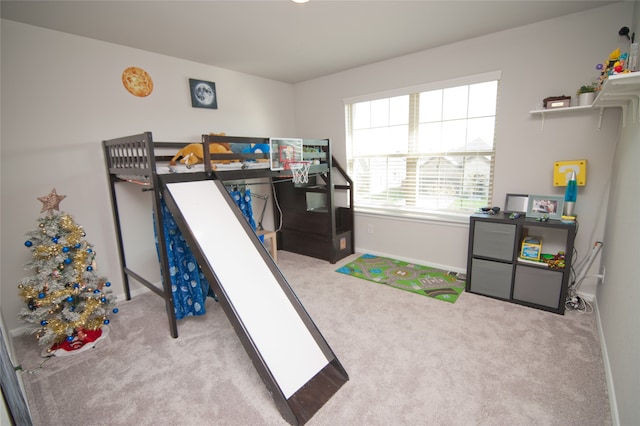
[284,151]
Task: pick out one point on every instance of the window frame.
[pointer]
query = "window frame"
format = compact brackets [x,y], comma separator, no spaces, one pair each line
[429,215]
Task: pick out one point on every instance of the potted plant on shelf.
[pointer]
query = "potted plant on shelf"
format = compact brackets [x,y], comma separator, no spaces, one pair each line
[586,94]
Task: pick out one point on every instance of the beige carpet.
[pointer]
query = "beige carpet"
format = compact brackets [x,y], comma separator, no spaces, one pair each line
[411,360]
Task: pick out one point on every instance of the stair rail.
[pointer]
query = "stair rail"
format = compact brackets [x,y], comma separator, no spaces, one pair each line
[348,187]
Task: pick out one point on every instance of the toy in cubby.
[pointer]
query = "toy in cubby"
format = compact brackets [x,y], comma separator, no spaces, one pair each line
[531,248]
[555,261]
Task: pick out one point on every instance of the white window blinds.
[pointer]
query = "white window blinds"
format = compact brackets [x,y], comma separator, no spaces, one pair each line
[428,152]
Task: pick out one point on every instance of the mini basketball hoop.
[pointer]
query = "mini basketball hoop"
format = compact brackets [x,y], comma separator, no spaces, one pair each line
[300,171]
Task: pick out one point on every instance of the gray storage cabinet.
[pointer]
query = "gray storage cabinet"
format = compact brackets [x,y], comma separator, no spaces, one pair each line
[494,268]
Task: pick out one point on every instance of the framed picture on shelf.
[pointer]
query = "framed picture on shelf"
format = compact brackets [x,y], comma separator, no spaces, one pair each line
[203,94]
[545,206]
[516,203]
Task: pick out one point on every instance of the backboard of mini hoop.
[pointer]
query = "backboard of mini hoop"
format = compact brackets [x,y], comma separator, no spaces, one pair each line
[284,151]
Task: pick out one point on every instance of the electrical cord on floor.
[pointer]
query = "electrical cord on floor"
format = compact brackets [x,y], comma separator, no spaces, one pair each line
[577,303]
[275,198]
[574,302]
[35,370]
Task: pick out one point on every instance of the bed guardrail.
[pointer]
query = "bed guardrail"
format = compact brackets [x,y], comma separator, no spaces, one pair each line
[129,155]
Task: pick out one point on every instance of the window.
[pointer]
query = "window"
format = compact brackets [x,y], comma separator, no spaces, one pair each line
[426,151]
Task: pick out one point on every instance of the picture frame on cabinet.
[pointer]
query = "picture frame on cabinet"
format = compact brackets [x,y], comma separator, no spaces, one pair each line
[549,206]
[516,203]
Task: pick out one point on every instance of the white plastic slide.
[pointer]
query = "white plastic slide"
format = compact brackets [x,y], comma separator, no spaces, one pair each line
[269,319]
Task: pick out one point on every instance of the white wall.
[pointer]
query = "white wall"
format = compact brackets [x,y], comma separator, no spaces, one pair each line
[617,298]
[62,95]
[551,58]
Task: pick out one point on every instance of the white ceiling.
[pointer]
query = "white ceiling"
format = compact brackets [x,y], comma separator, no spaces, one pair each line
[281,40]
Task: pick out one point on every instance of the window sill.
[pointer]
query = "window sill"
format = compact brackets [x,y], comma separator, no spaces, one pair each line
[438,219]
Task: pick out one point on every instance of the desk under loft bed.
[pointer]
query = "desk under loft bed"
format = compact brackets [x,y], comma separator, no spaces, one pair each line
[308,218]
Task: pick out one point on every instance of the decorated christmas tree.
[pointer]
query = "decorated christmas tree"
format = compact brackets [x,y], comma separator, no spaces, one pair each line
[67,302]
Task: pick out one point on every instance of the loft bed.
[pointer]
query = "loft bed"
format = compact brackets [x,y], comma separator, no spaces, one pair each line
[292,357]
[311,222]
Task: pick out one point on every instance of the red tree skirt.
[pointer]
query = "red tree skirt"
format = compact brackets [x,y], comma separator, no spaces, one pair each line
[89,339]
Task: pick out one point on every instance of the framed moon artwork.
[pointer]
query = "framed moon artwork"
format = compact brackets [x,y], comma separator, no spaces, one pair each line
[203,94]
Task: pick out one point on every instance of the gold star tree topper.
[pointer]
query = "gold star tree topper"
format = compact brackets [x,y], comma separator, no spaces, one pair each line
[51,202]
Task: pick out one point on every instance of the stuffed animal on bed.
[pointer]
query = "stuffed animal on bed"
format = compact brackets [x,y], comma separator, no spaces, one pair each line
[193,153]
[256,148]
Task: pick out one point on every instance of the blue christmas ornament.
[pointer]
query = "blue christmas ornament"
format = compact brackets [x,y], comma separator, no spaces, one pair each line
[108,284]
[69,338]
[55,240]
[89,268]
[116,310]
[76,285]
[65,249]
[103,300]
[43,323]
[77,246]
[28,243]
[70,299]
[96,291]
[106,321]
[89,251]
[67,261]
[41,295]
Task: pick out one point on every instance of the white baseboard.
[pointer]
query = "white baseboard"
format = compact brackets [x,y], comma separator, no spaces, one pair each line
[615,416]
[137,291]
[587,296]
[418,261]
[14,332]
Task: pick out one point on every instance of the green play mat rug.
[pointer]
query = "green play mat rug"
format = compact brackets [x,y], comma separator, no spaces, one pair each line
[407,276]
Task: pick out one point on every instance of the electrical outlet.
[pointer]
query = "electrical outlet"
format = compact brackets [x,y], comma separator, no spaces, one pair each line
[370,229]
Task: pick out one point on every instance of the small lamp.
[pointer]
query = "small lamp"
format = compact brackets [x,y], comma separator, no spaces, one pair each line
[570,195]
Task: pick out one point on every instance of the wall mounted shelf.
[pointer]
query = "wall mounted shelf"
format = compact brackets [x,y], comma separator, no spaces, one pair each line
[621,90]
